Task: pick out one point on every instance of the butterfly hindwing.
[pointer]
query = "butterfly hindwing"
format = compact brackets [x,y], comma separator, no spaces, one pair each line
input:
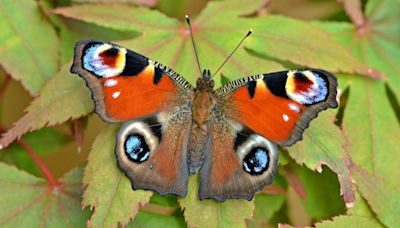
[279,106]
[126,85]
[240,162]
[152,151]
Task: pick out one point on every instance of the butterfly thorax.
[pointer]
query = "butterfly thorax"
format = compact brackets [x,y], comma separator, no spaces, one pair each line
[203,102]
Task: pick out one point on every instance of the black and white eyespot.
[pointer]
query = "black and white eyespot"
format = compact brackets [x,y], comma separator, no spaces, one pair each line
[137,140]
[104,60]
[258,155]
[136,148]
[306,87]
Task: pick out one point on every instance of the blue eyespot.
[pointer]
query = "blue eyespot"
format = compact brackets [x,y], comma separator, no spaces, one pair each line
[256,162]
[136,148]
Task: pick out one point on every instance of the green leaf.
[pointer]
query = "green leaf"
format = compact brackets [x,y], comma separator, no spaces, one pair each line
[273,34]
[43,142]
[148,219]
[376,44]
[266,207]
[108,191]
[64,97]
[285,39]
[369,122]
[72,30]
[149,3]
[324,146]
[323,198]
[367,132]
[28,55]
[211,213]
[382,196]
[29,201]
[361,208]
[348,221]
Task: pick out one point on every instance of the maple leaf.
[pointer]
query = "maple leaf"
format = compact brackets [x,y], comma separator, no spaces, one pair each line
[43,142]
[25,54]
[383,197]
[167,40]
[108,191]
[322,199]
[265,209]
[348,221]
[369,122]
[324,146]
[376,42]
[29,201]
[62,98]
[211,213]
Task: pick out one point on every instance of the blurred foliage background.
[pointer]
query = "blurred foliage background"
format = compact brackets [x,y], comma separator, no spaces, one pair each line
[344,173]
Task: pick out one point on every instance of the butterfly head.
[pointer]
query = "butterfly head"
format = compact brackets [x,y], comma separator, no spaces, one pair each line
[205,82]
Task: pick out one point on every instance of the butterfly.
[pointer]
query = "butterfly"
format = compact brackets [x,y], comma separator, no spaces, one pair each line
[172,130]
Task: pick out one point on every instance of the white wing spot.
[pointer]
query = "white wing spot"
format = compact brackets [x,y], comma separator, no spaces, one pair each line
[116,94]
[110,82]
[285,117]
[294,107]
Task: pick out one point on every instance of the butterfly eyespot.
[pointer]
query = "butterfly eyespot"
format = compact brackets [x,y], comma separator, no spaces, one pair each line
[104,60]
[256,162]
[306,87]
[136,148]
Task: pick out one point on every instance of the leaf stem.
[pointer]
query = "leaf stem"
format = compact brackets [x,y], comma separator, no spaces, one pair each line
[38,161]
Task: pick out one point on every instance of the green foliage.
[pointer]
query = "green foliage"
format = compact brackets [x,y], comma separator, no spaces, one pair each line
[361,153]
[322,199]
[45,141]
[211,213]
[348,221]
[25,53]
[108,190]
[323,146]
[28,201]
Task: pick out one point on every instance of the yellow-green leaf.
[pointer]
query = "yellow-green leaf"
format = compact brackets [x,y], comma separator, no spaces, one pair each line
[348,221]
[29,201]
[383,197]
[377,43]
[323,145]
[64,97]
[108,191]
[28,44]
[211,213]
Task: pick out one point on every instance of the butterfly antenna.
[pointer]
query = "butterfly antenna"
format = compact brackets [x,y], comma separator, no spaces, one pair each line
[234,50]
[194,46]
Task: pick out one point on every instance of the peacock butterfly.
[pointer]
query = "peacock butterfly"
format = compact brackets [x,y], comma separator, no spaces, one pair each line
[171,129]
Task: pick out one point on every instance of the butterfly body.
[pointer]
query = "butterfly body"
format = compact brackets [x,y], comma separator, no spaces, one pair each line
[171,129]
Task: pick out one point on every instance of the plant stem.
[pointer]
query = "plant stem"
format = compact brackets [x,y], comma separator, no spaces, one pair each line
[38,161]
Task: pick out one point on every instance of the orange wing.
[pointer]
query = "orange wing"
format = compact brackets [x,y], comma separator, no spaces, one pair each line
[279,106]
[126,85]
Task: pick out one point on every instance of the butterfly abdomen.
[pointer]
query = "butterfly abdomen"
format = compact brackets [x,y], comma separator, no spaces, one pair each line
[196,150]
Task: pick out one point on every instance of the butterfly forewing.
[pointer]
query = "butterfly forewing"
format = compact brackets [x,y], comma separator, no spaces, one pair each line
[279,106]
[126,85]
